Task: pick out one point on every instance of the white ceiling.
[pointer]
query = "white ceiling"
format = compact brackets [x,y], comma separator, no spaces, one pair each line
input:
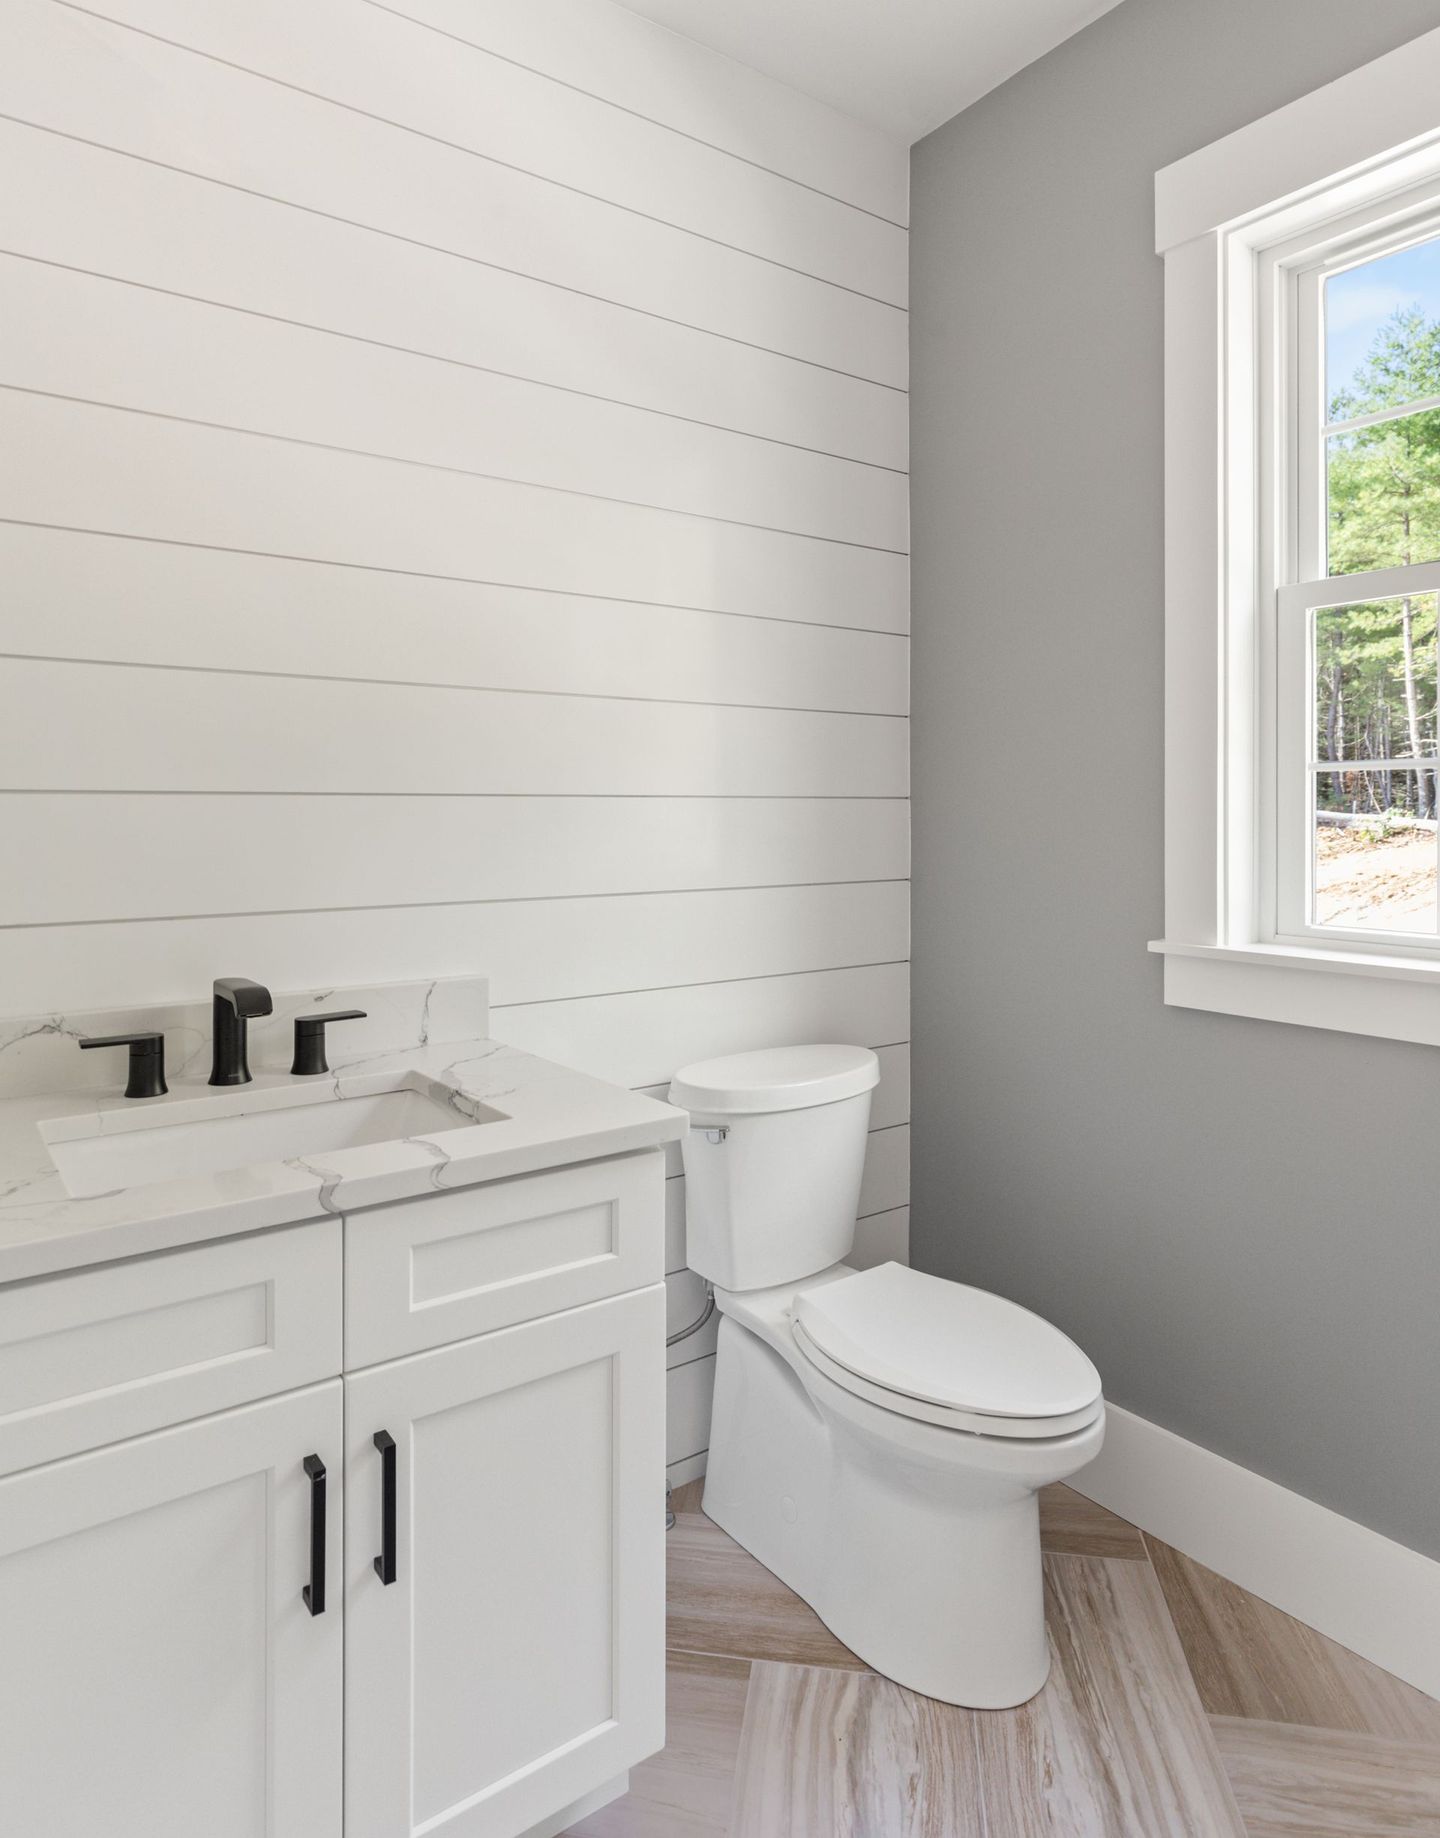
[903,65]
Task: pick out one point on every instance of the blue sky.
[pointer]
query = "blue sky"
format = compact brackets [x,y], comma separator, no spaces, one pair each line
[1360,299]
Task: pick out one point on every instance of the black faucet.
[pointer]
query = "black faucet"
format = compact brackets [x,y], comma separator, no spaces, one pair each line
[236,1001]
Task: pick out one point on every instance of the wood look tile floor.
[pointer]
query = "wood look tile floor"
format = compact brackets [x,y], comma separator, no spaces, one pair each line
[1178,1706]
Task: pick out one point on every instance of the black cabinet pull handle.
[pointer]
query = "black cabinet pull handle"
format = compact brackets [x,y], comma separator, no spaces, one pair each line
[314,1590]
[385,1562]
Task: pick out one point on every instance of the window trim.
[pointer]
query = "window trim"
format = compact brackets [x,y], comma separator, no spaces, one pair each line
[1224,218]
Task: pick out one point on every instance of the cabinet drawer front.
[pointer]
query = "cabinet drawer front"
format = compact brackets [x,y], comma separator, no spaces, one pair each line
[96,1355]
[425,1272]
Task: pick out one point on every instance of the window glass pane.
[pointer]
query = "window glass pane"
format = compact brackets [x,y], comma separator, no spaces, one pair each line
[1383,494]
[1375,680]
[1380,332]
[1374,855]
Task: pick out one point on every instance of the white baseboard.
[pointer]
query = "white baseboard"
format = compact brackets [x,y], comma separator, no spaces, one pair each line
[1379,1598]
[690,1469]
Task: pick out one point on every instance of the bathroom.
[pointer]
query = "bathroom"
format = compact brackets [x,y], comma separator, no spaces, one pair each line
[722,918]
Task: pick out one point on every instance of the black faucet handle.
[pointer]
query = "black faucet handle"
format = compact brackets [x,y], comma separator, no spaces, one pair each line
[147,1061]
[310,1040]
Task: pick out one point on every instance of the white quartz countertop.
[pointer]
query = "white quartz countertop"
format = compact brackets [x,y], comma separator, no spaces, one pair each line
[549,1116]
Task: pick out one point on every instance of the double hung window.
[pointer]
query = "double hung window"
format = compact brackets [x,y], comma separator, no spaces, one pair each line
[1302,559]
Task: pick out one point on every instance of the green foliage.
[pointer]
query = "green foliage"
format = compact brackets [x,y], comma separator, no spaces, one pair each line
[1376,662]
[1384,481]
[1381,827]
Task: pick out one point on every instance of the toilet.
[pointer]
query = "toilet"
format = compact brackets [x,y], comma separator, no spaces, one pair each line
[879,1436]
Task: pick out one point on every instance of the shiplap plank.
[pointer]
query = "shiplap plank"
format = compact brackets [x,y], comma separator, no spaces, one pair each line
[413,851]
[368,58]
[890,1102]
[881,1238]
[886,1182]
[79,466]
[136,729]
[169,960]
[106,341]
[99,82]
[635,64]
[641,1038]
[689,1393]
[541,951]
[160,228]
[103,598]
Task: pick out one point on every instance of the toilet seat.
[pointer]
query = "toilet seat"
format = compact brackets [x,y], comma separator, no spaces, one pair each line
[973,1423]
[946,1353]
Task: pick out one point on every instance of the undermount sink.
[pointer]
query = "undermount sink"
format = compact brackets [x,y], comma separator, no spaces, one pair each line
[212,1135]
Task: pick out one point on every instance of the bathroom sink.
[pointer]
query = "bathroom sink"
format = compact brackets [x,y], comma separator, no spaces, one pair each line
[216,1134]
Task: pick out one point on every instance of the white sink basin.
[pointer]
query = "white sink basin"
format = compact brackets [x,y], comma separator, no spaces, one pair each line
[210,1135]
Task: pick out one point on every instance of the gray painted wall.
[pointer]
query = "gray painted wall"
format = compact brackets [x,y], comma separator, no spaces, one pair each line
[1238,1220]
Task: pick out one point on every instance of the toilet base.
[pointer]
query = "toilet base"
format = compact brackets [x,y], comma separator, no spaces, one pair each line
[917,1546]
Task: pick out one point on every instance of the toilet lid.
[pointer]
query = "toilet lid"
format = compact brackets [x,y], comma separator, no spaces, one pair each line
[947,1344]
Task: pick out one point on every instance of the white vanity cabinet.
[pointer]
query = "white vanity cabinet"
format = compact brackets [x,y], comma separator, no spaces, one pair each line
[488,1530]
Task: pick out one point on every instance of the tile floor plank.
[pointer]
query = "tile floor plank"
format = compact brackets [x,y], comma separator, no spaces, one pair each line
[722,1601]
[832,1754]
[1116,1745]
[1251,1660]
[1296,1782]
[686,1791]
[686,1498]
[1070,1523]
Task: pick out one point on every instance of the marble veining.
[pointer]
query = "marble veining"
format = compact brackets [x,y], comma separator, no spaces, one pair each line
[516,1114]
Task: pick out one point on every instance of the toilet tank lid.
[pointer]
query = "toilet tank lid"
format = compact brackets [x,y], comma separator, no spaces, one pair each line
[775,1078]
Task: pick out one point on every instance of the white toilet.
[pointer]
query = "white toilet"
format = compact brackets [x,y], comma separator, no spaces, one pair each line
[879,1437]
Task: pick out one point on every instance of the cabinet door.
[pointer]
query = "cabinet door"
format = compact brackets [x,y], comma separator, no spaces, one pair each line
[160,1675]
[516,1660]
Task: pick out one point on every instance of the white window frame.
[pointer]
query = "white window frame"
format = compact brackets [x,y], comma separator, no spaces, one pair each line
[1359,157]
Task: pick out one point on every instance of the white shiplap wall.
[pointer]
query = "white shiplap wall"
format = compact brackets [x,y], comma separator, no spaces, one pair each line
[453,517]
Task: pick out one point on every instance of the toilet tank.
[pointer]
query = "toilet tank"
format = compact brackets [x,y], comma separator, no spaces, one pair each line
[773,1160]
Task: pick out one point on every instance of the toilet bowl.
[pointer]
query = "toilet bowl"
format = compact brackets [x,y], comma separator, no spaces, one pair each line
[879,1437]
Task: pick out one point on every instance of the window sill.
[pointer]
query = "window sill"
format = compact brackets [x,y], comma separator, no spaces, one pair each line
[1389,998]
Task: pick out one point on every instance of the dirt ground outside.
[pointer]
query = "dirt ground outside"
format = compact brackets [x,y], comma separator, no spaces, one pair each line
[1382,882]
